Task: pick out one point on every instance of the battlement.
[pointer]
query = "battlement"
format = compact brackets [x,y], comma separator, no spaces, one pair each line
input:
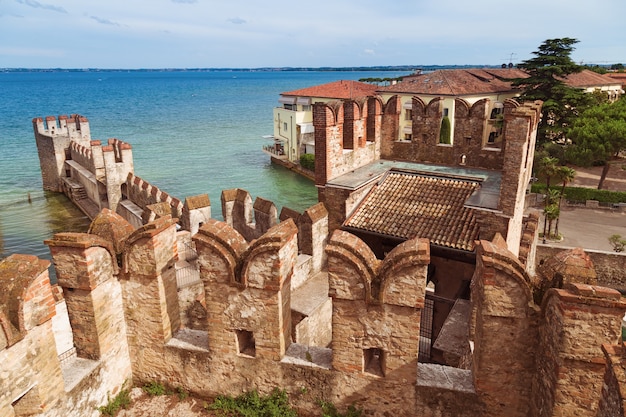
[144,194]
[74,127]
[377,308]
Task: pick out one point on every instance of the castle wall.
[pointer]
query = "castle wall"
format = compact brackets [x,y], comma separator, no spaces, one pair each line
[53,138]
[341,141]
[120,289]
[577,320]
[504,331]
[238,212]
[118,165]
[31,378]
[70,162]
[520,132]
[150,294]
[143,194]
[468,146]
[196,211]
[610,267]
[613,392]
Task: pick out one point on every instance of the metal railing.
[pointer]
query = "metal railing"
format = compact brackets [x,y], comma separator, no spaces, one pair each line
[187,270]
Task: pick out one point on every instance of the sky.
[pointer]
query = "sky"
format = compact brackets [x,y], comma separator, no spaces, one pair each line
[314,33]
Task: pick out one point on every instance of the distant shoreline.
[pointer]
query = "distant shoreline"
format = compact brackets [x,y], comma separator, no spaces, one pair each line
[261,69]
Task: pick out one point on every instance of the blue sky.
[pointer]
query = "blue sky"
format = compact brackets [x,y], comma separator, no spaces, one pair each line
[312,33]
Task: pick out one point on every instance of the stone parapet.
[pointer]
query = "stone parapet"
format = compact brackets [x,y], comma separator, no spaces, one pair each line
[505,328]
[577,320]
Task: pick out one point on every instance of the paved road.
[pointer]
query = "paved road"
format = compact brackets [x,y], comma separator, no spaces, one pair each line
[589,228]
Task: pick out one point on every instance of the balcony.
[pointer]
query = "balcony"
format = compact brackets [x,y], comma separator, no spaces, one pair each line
[275,151]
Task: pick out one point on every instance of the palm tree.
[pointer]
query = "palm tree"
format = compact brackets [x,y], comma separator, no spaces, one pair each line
[551,211]
[565,175]
[547,167]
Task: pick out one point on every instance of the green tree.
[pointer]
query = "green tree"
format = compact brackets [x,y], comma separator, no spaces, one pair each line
[565,175]
[546,82]
[547,168]
[552,211]
[598,136]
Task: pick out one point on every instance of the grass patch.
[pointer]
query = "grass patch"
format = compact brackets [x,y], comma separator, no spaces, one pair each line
[251,404]
[154,389]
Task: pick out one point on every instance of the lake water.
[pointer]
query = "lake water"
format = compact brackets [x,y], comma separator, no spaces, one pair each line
[191,132]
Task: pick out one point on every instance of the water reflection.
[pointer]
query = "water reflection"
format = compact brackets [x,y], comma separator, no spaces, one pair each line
[30,219]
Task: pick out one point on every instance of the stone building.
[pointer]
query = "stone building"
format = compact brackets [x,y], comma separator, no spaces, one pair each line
[293,133]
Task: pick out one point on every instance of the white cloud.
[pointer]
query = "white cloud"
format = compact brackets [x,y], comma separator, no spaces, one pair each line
[237,20]
[36,5]
[211,33]
[104,21]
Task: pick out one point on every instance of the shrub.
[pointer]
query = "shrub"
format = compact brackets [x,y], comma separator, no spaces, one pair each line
[307,161]
[251,404]
[329,410]
[121,400]
[154,388]
[583,194]
[618,243]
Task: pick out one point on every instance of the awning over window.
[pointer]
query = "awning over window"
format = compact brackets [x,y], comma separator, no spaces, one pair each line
[287,100]
[304,101]
[306,128]
[408,105]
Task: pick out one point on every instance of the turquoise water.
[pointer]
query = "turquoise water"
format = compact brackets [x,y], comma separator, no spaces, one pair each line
[191,132]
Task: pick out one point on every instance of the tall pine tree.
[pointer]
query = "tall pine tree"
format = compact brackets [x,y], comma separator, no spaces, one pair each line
[547,72]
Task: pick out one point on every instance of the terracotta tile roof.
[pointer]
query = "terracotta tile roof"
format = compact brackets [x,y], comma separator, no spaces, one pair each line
[456,82]
[588,78]
[471,81]
[408,204]
[342,89]
[619,77]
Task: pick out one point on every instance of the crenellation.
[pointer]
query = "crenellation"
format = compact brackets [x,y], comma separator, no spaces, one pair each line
[377,308]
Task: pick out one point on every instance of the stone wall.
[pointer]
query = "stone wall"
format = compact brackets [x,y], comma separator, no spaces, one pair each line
[33,379]
[143,194]
[53,138]
[613,391]
[341,137]
[121,294]
[576,321]
[468,147]
[505,331]
[610,267]
[67,154]
[251,220]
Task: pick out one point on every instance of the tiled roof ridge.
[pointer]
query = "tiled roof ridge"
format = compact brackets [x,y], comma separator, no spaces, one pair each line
[406,204]
[335,89]
[431,174]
